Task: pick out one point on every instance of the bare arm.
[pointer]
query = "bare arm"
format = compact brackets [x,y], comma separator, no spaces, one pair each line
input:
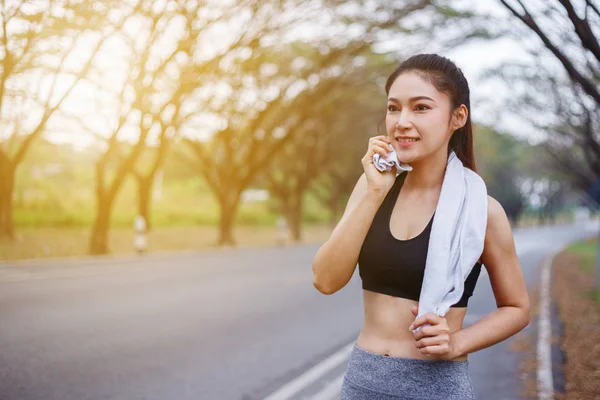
[335,261]
[502,264]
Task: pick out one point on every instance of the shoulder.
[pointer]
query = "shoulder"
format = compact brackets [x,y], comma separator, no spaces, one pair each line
[498,235]
[496,213]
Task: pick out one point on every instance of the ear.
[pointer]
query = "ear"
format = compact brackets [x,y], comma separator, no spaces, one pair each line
[460,116]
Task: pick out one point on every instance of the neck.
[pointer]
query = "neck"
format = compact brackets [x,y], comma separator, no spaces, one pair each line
[428,173]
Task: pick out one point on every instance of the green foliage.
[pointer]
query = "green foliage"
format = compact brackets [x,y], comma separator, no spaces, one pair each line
[55,188]
[501,161]
[586,251]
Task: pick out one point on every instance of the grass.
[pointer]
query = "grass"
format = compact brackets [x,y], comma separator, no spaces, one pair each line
[68,242]
[585,251]
[56,223]
[182,203]
[593,295]
[184,217]
[579,311]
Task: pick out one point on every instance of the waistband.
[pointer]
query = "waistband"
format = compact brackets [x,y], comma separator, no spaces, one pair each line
[410,377]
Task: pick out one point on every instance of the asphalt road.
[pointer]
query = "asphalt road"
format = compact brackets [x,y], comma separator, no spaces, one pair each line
[235,324]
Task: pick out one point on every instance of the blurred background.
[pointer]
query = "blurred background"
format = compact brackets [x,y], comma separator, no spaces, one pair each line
[227,123]
[172,127]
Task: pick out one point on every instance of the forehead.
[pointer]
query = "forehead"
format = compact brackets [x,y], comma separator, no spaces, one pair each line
[410,84]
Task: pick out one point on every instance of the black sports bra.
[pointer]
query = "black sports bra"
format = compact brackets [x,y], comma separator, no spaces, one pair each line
[396,267]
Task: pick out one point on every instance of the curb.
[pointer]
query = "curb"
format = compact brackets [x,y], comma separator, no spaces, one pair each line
[545,350]
[545,382]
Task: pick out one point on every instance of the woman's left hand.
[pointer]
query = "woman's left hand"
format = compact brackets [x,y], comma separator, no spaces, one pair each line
[435,340]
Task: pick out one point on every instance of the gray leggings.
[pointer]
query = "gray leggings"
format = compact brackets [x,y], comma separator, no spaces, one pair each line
[372,376]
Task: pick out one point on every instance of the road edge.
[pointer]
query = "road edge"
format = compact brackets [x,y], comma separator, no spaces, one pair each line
[134,257]
[545,382]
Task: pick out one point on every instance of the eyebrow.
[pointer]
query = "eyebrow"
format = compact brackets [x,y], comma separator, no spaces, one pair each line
[412,99]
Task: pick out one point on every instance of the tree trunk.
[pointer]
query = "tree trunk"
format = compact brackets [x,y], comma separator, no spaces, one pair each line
[228,208]
[99,238]
[7,229]
[597,266]
[293,216]
[541,218]
[145,199]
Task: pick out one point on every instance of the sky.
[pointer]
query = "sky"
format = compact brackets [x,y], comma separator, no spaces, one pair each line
[486,98]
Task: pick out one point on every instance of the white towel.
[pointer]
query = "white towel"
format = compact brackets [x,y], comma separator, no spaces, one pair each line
[385,164]
[456,241]
[457,234]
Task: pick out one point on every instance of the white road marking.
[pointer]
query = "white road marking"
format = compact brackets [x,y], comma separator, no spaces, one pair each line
[331,391]
[310,376]
[545,382]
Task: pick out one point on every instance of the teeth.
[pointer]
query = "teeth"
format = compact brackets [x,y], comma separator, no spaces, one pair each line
[407,140]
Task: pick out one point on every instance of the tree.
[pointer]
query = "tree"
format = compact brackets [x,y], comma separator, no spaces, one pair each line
[134,107]
[502,163]
[295,166]
[37,43]
[582,66]
[364,108]
[229,169]
[232,156]
[573,133]
[162,69]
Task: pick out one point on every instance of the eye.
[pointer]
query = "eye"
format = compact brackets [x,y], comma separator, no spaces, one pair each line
[418,107]
[392,107]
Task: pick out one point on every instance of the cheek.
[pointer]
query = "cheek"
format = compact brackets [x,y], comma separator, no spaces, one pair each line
[389,123]
[435,126]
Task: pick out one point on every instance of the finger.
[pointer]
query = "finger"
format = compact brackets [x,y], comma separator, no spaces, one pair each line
[435,350]
[426,331]
[382,144]
[433,340]
[380,137]
[428,341]
[429,330]
[428,318]
[380,150]
[372,150]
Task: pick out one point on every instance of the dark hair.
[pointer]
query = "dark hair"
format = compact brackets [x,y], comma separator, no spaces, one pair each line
[447,78]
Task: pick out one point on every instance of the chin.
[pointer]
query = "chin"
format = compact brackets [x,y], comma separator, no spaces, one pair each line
[407,156]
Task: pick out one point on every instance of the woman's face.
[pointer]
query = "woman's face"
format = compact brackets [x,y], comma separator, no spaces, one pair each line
[418,118]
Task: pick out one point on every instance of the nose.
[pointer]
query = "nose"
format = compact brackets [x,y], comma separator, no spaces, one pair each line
[403,121]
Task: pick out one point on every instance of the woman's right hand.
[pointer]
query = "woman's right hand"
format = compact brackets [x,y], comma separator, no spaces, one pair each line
[377,181]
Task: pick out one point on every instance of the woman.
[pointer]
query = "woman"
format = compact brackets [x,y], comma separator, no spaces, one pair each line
[387,222]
